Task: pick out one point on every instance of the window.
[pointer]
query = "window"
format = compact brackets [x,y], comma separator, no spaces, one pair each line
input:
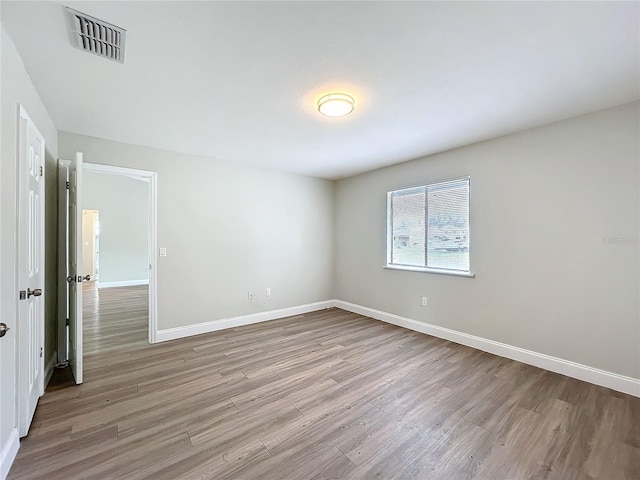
[428,227]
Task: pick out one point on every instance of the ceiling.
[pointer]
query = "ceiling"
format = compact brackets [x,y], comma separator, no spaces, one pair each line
[239,81]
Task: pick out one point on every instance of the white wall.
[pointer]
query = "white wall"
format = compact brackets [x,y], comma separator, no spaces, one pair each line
[544,204]
[17,88]
[123,203]
[228,229]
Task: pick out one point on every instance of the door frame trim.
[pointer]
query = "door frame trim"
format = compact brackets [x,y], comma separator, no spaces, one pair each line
[63,262]
[152,178]
[22,402]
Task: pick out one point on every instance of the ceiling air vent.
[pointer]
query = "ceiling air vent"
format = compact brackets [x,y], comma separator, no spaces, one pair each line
[96,36]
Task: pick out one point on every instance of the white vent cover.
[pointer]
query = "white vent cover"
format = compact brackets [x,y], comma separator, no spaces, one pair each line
[96,36]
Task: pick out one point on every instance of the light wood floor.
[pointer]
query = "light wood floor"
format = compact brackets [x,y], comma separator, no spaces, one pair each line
[329,394]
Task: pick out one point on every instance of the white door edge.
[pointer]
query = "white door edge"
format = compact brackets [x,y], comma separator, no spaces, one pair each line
[76,333]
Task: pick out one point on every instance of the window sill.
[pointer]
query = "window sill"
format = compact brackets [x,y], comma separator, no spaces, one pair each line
[429,270]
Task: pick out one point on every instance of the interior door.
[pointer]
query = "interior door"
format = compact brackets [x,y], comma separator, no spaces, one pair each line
[75,267]
[30,271]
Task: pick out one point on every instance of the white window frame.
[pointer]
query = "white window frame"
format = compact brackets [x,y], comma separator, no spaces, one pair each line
[414,268]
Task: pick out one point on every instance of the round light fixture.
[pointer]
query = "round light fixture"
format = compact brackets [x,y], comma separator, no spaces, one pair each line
[336,105]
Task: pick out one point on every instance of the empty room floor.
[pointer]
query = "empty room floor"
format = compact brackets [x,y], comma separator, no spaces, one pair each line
[328,394]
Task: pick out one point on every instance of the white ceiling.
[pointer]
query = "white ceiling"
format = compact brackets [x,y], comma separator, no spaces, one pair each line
[239,81]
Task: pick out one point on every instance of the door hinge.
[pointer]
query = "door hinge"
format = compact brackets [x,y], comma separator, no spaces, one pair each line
[41,171]
[40,352]
[68,185]
[67,324]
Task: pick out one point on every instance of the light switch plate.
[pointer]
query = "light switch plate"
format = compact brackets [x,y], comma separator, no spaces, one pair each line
[163,252]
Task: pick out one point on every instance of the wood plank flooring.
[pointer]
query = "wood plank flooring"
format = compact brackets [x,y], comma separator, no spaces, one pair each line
[324,395]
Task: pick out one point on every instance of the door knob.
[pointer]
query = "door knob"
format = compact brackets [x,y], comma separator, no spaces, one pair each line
[78,279]
[3,329]
[35,292]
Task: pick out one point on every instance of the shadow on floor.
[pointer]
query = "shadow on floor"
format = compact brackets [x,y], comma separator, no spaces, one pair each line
[61,378]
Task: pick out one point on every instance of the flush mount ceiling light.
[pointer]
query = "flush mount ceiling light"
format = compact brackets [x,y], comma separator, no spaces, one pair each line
[336,105]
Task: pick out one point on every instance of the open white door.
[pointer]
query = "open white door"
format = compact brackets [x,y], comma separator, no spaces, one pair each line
[30,271]
[75,267]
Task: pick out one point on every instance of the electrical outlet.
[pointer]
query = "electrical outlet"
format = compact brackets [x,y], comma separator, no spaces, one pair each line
[268,292]
[424,302]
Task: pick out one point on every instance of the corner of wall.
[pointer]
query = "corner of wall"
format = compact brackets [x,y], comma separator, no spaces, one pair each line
[334,241]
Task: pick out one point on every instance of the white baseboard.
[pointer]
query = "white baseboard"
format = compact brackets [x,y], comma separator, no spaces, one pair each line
[8,453]
[596,376]
[593,375]
[48,369]
[224,323]
[124,283]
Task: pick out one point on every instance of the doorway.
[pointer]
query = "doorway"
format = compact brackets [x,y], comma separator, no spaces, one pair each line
[118,248]
[116,219]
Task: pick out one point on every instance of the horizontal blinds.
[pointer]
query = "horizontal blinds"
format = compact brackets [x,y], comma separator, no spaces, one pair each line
[430,226]
[408,227]
[448,225]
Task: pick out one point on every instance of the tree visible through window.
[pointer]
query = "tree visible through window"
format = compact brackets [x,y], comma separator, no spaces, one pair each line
[429,226]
